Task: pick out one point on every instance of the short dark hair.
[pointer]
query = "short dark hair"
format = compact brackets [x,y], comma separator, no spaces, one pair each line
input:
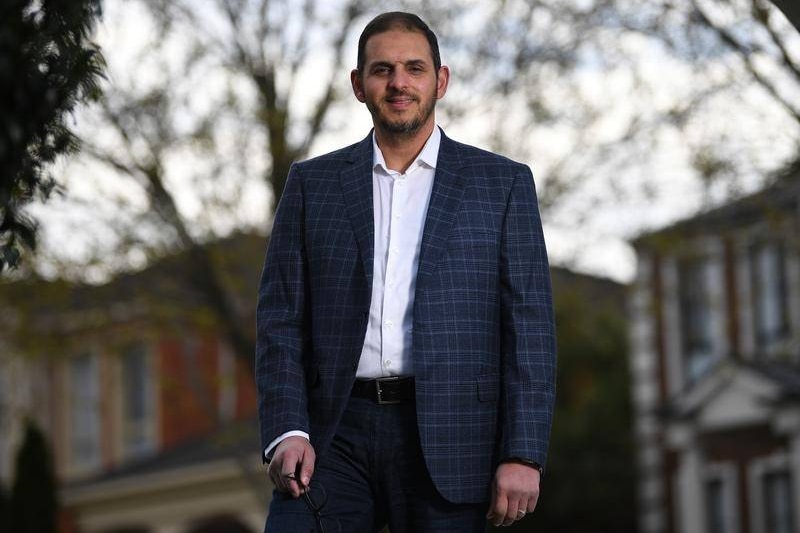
[394,20]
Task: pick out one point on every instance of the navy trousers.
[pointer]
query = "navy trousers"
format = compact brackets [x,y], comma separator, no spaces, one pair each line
[374,474]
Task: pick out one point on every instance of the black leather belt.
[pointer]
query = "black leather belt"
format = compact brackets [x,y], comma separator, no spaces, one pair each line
[390,390]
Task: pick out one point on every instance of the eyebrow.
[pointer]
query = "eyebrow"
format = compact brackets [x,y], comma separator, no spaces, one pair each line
[409,63]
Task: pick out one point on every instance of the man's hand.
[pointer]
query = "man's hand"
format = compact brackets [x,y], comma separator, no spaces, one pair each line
[514,493]
[292,465]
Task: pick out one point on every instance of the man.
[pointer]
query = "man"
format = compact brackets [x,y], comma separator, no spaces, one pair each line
[406,348]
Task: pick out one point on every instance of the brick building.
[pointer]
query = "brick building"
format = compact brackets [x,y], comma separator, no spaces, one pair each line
[150,415]
[715,360]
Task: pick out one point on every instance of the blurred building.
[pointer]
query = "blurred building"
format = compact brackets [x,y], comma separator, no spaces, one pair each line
[715,361]
[151,417]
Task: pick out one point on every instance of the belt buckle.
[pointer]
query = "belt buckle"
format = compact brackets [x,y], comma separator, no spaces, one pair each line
[378,382]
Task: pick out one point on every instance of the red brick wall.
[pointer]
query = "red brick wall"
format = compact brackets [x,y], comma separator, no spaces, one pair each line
[188,388]
[245,390]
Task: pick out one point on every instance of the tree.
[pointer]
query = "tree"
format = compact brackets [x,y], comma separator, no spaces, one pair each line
[49,66]
[243,87]
[33,496]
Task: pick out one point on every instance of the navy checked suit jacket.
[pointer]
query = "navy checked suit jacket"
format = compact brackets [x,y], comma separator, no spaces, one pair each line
[483,329]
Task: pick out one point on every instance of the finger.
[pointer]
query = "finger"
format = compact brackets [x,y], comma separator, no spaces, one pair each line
[278,478]
[274,471]
[307,466]
[532,503]
[511,512]
[288,473]
[492,503]
[499,509]
[294,486]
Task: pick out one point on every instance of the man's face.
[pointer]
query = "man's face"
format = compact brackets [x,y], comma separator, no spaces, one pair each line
[399,83]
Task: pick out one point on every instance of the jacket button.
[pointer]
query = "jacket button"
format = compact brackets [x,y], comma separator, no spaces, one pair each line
[354,366]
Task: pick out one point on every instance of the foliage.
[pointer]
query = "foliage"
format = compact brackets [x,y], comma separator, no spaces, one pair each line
[589,482]
[49,66]
[33,497]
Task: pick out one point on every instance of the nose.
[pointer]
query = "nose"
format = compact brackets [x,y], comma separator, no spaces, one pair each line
[399,79]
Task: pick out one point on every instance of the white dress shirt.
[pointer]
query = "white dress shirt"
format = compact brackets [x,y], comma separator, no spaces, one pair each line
[400,204]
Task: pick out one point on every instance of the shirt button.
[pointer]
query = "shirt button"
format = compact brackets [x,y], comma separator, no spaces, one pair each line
[395,250]
[387,363]
[388,323]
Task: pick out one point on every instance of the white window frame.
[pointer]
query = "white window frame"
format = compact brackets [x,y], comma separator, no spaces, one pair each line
[726,473]
[758,469]
[77,464]
[150,422]
[745,239]
[770,346]
[711,251]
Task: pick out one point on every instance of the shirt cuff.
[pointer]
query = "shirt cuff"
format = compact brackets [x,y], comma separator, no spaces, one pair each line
[269,449]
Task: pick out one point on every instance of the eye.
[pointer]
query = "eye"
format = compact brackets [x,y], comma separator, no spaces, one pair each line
[380,70]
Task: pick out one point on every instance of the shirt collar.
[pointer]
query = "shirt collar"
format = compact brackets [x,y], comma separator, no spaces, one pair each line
[429,155]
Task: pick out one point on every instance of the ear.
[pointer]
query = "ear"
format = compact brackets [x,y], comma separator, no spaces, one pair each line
[358,87]
[441,81]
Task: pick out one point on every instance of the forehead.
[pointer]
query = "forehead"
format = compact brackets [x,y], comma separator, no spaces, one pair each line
[397,45]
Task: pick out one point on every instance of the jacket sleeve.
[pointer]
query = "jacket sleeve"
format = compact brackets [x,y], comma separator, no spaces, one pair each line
[281,325]
[528,328]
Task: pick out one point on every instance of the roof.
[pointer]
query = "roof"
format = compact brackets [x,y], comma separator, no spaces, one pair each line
[783,374]
[226,442]
[170,288]
[774,202]
[780,383]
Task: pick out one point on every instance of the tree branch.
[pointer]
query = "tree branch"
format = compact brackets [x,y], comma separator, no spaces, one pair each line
[747,57]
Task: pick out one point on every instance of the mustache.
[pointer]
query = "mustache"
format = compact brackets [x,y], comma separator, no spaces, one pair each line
[401,94]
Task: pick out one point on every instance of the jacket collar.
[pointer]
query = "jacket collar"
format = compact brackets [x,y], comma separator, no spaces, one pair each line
[448,189]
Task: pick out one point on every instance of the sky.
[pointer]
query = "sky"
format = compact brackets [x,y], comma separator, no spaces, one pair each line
[589,230]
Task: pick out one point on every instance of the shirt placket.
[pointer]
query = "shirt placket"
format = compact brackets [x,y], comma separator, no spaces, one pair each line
[391,325]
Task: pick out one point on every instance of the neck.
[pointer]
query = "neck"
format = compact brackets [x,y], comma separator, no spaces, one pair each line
[399,151]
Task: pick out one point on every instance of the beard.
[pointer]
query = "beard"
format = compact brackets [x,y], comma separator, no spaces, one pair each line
[400,127]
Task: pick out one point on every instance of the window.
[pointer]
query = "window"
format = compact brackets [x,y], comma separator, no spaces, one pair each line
[84,416]
[769,292]
[696,320]
[137,400]
[715,506]
[778,511]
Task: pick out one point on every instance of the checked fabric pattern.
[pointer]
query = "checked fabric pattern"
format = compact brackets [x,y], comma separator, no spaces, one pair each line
[483,333]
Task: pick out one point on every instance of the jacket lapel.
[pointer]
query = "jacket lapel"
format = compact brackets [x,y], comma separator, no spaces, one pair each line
[448,189]
[356,183]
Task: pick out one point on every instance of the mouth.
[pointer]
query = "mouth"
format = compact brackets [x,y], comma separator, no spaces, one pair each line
[400,102]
